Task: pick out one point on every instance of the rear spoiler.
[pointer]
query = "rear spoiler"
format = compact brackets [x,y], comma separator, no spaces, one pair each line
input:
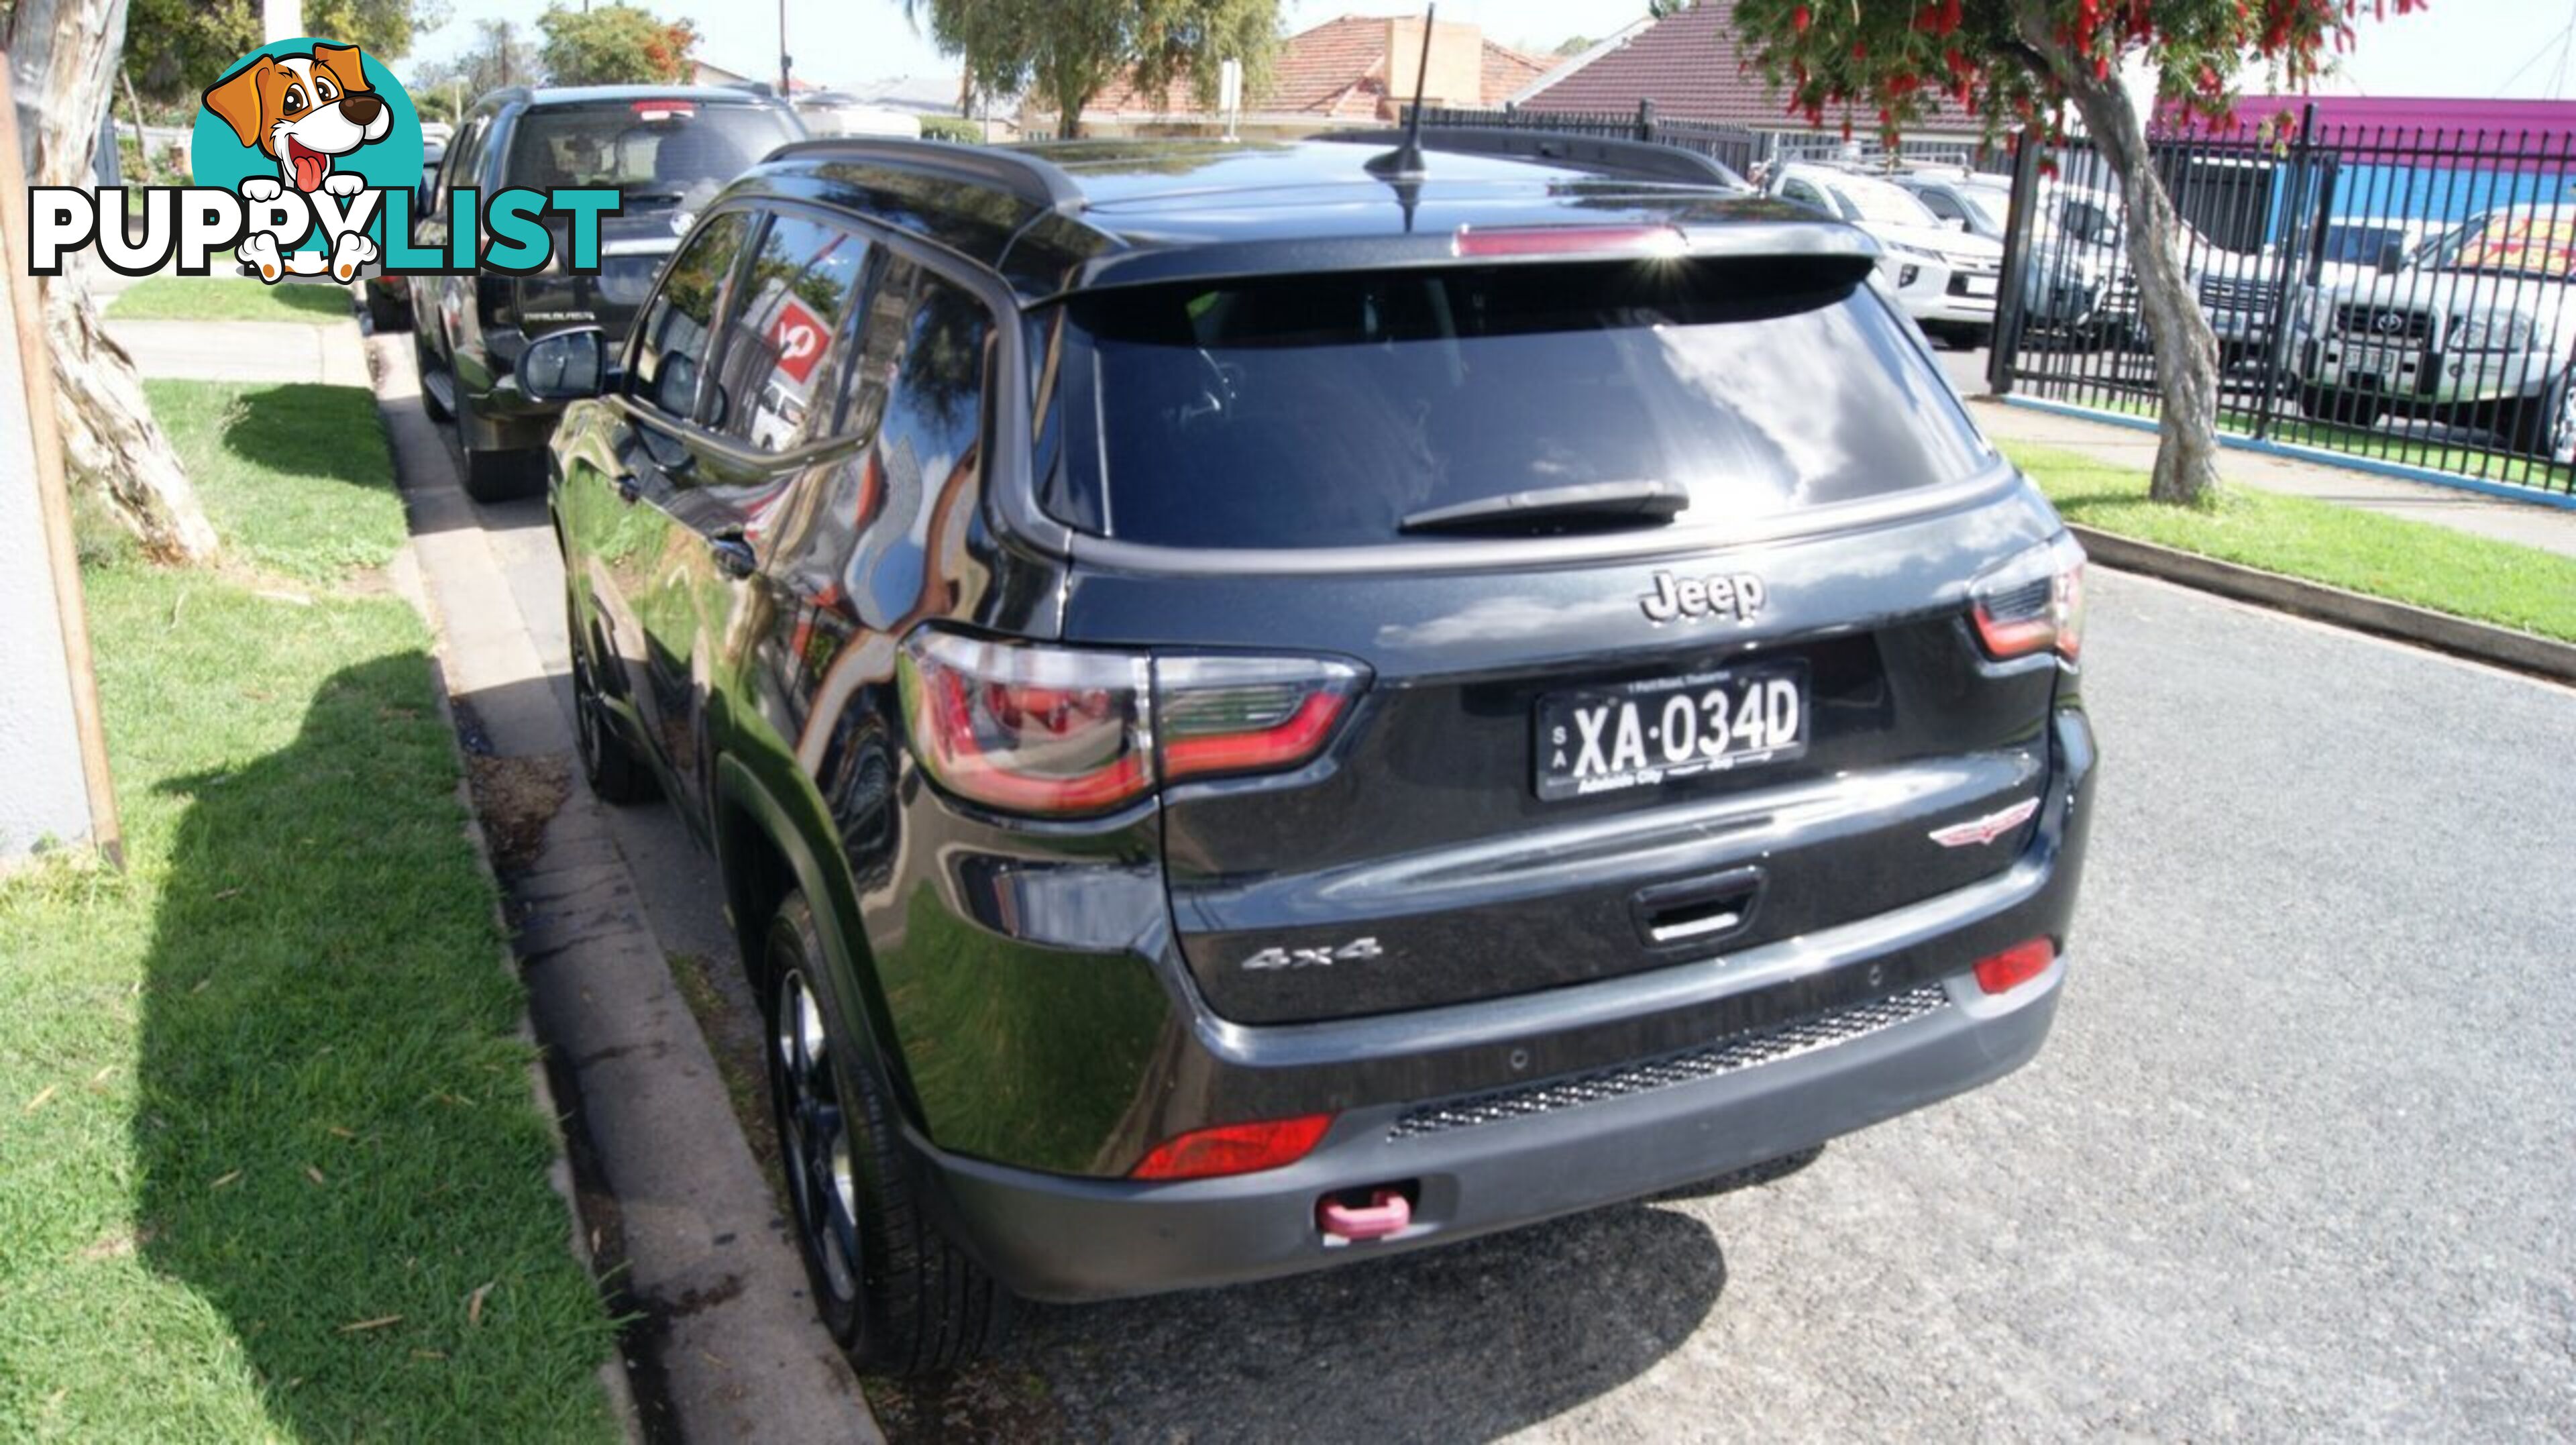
[1752,230]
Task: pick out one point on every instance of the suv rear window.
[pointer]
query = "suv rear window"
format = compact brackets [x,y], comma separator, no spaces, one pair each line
[1320,410]
[667,150]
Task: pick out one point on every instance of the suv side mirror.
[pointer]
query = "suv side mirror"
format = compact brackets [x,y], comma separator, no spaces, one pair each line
[565,366]
[2392,258]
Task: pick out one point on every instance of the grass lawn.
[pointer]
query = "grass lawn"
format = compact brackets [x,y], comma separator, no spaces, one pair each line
[216,298]
[2414,562]
[295,477]
[270,1166]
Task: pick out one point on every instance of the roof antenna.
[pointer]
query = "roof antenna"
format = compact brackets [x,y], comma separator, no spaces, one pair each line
[1405,161]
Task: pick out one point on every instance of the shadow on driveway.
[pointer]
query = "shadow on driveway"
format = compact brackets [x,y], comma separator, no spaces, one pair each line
[1468,1342]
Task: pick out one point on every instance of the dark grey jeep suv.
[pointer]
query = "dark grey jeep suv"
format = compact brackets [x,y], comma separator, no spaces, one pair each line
[1265,706]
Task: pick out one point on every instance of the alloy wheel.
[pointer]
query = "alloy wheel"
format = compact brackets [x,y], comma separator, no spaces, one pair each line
[814,1135]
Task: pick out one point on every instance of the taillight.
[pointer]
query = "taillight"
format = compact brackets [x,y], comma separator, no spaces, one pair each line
[2034,602]
[1247,714]
[2003,972]
[1065,731]
[1234,1148]
[1050,730]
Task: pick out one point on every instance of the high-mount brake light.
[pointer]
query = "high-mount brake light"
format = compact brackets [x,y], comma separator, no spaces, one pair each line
[1506,241]
[1070,732]
[665,109]
[2033,602]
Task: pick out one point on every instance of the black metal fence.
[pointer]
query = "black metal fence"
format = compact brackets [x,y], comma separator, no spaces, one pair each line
[2404,296]
[1742,149]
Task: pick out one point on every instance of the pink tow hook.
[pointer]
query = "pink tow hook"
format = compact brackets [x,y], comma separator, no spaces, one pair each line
[1387,1213]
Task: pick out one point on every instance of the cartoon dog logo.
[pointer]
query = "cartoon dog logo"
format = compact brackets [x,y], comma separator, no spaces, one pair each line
[303,111]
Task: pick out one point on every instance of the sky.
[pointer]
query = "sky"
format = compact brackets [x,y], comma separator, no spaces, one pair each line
[2518,48]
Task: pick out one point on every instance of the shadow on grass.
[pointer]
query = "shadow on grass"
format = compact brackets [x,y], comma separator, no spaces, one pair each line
[311,430]
[334,1136]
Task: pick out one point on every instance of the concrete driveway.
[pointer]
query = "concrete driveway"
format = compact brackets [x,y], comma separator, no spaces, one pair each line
[2301,1158]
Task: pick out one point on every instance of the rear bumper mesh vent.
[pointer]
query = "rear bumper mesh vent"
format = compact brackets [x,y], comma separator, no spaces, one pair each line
[1706,1062]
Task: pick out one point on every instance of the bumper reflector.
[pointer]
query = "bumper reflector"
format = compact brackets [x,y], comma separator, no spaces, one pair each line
[2015,966]
[1234,1148]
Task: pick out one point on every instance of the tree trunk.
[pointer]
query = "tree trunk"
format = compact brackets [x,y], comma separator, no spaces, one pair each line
[62,56]
[2186,352]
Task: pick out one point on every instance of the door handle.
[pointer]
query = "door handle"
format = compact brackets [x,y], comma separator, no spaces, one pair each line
[628,489]
[733,555]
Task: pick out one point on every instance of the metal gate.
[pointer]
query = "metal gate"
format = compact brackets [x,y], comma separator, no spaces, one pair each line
[2404,297]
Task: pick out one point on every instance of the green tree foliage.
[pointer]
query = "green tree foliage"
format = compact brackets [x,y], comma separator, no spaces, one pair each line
[500,56]
[1573,45]
[1067,51]
[174,49]
[2012,63]
[615,45]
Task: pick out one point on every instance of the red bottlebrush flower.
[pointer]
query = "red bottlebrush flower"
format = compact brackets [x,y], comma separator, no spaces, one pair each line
[1860,50]
[1799,20]
[2101,67]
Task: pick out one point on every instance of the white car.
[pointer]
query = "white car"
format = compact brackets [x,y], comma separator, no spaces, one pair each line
[2481,330]
[1945,278]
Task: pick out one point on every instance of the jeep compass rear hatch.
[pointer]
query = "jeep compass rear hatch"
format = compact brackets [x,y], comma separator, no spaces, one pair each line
[1635,605]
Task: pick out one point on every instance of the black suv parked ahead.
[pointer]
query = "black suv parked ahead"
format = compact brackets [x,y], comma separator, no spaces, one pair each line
[666,150]
[1257,711]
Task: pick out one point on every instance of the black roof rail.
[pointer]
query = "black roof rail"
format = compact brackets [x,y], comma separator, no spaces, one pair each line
[1645,160]
[1038,182]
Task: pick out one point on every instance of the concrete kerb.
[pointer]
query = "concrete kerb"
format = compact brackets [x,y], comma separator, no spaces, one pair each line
[2457,636]
[408,584]
[726,1345]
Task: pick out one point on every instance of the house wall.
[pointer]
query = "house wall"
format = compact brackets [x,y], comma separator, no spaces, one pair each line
[42,793]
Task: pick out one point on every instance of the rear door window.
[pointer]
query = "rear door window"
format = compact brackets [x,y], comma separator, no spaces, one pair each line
[798,287]
[1323,410]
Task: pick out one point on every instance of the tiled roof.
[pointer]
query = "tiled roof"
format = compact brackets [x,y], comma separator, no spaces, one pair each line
[1692,66]
[1335,71]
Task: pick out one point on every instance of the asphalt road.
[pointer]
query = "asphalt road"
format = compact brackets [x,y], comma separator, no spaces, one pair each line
[2299,1160]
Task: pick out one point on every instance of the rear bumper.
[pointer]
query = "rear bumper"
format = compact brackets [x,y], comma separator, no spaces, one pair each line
[1897,1023]
[1054,1238]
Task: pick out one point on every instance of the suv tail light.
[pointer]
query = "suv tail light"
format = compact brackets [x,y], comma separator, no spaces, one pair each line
[2034,602]
[1247,714]
[1066,732]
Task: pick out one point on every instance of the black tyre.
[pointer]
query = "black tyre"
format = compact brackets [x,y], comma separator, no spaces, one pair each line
[386,313]
[2544,426]
[429,401]
[897,1295]
[502,476]
[615,771]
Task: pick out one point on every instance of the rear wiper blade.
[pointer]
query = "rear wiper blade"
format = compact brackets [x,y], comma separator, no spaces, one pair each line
[1642,503]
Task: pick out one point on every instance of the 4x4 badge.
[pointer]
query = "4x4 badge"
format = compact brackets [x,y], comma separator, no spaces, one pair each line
[1738,595]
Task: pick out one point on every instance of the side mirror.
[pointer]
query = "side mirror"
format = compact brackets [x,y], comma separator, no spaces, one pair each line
[2392,258]
[566,366]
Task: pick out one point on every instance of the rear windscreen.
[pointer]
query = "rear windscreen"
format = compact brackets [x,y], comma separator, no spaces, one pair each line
[1322,410]
[669,151]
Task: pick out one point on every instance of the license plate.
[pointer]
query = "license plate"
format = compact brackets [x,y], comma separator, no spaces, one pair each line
[1665,729]
[1981,285]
